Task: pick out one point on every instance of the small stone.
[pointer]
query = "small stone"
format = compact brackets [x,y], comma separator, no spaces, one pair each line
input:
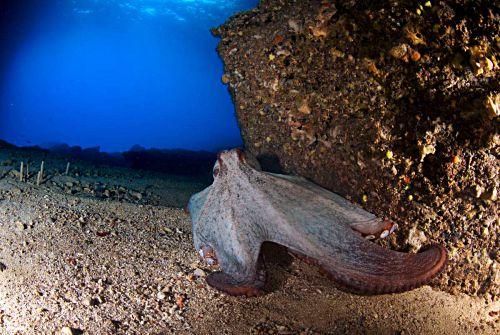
[199,273]
[304,108]
[225,79]
[336,54]
[478,191]
[136,195]
[415,56]
[416,238]
[3,267]
[319,31]
[20,226]
[426,150]
[493,106]
[161,295]
[491,195]
[294,26]
[67,331]
[172,309]
[92,301]
[485,232]
[399,51]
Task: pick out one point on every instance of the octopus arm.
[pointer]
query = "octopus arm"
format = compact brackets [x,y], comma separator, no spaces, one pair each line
[242,272]
[371,269]
[321,227]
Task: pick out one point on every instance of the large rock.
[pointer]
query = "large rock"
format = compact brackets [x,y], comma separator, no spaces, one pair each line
[393,104]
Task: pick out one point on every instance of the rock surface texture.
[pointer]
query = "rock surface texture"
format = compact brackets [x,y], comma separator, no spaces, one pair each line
[392,104]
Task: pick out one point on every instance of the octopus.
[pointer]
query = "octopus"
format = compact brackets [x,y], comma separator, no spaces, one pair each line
[245,207]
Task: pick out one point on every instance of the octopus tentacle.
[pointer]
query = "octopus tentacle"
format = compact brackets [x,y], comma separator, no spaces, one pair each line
[243,275]
[385,271]
[229,285]
[240,281]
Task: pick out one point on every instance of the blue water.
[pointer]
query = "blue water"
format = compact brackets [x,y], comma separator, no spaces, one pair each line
[115,73]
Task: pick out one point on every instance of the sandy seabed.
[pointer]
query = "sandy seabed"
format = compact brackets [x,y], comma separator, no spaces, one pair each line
[106,251]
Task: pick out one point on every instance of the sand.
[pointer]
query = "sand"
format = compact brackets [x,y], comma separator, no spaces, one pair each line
[74,262]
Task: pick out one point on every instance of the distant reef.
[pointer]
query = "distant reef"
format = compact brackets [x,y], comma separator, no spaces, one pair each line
[5,145]
[393,104]
[170,161]
[180,162]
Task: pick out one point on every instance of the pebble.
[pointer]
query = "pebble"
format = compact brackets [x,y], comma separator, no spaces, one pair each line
[172,309]
[20,226]
[67,331]
[199,273]
[92,301]
[161,295]
[136,195]
[426,150]
[416,238]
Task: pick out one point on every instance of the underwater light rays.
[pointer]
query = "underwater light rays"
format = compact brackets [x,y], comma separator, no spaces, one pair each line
[202,10]
[100,79]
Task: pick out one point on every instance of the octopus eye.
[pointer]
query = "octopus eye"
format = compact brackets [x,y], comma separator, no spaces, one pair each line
[241,155]
[219,166]
[219,157]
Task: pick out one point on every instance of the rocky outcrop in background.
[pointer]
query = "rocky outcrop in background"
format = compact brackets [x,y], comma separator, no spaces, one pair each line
[393,104]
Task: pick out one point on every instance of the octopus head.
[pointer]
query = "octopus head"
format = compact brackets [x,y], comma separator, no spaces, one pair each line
[234,160]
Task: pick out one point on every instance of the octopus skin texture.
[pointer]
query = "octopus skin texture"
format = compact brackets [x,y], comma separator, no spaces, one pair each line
[245,207]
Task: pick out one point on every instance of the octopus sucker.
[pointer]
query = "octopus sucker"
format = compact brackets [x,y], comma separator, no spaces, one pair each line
[245,207]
